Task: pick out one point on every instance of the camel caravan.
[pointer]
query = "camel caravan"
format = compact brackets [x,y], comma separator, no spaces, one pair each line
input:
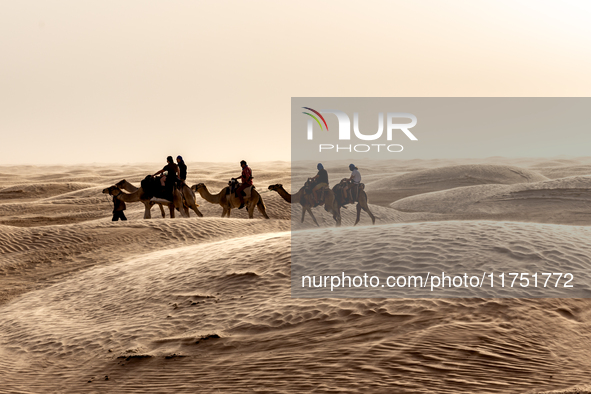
[168,187]
[316,192]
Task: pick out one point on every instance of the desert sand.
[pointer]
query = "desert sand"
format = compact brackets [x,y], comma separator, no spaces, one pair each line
[204,304]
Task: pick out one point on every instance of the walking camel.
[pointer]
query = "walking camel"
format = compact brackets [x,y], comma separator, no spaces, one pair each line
[230,201]
[188,197]
[138,195]
[128,187]
[332,204]
[361,203]
[305,200]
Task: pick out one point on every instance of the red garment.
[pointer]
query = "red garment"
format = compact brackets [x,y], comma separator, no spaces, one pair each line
[246,176]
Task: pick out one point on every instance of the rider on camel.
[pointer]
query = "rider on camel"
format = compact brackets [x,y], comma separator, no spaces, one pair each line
[321,180]
[172,174]
[246,178]
[182,168]
[353,184]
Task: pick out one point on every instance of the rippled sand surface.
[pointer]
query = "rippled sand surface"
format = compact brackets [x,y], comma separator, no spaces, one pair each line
[204,304]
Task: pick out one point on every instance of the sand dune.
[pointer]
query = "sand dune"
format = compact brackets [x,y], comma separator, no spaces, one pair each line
[436,247]
[219,316]
[40,255]
[448,177]
[39,190]
[205,305]
[563,201]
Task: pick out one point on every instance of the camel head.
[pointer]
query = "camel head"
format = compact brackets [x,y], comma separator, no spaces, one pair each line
[197,186]
[121,183]
[275,187]
[111,190]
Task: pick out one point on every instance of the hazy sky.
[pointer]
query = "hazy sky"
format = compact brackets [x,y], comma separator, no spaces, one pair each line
[135,81]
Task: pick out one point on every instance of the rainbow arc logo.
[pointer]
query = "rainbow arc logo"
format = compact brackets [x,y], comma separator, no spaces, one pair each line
[315,118]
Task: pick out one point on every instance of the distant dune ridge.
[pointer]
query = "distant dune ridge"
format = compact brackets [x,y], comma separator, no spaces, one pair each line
[564,200]
[204,304]
[449,177]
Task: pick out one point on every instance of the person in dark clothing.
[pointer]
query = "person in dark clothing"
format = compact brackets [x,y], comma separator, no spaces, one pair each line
[246,178]
[172,174]
[321,180]
[182,168]
[118,208]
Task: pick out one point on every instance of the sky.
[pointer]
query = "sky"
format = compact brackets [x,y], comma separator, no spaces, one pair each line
[136,81]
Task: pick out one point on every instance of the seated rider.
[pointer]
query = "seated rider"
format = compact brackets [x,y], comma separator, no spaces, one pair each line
[321,180]
[172,173]
[182,168]
[353,185]
[246,179]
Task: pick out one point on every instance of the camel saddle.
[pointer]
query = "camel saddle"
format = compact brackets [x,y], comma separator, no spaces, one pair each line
[233,185]
[320,193]
[153,188]
[321,196]
[353,192]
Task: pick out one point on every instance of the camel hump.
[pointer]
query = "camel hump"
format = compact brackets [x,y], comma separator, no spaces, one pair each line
[248,191]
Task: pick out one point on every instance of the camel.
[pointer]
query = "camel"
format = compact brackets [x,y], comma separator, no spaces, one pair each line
[138,196]
[332,204]
[187,195]
[128,187]
[231,201]
[361,203]
[306,202]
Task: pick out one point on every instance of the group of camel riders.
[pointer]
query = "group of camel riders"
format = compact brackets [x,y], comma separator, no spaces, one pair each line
[176,174]
[350,189]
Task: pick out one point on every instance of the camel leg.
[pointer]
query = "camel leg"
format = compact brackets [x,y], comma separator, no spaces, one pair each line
[365,207]
[161,209]
[358,214]
[373,218]
[262,209]
[178,202]
[184,212]
[336,212]
[147,214]
[337,217]
[196,210]
[251,206]
[228,211]
[303,213]
[171,208]
[309,209]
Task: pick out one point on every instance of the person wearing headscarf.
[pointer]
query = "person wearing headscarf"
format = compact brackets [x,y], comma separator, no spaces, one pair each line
[321,180]
[354,181]
[118,208]
[246,181]
[182,168]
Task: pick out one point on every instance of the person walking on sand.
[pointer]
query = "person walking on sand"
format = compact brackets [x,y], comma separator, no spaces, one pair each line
[182,168]
[118,208]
